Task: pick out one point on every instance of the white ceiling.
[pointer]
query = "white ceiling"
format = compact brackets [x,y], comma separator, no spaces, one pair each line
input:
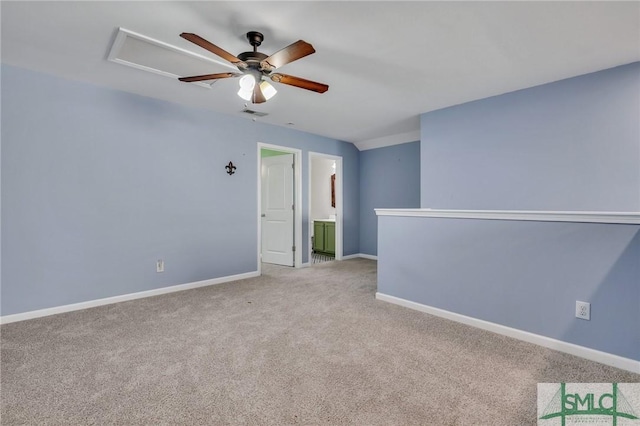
[385,62]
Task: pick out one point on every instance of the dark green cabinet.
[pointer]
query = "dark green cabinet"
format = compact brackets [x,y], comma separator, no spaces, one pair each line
[324,237]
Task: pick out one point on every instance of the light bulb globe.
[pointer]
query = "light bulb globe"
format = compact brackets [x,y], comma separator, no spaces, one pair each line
[247,82]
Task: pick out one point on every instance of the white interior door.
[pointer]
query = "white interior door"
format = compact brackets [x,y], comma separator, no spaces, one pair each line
[277,209]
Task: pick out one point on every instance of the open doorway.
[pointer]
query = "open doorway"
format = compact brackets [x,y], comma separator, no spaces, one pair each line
[279,212]
[325,207]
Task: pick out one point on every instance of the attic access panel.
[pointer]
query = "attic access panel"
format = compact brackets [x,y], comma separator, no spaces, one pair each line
[147,54]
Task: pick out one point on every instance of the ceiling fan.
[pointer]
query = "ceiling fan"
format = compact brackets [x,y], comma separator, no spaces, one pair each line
[255,67]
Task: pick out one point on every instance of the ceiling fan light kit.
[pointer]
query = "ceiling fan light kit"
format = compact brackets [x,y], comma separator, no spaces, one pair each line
[247,86]
[255,67]
[268,90]
[247,82]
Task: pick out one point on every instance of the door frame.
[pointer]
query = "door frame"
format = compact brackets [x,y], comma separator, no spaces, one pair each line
[297,201]
[339,200]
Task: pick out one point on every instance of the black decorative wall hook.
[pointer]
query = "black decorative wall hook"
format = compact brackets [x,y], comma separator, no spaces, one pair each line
[231,169]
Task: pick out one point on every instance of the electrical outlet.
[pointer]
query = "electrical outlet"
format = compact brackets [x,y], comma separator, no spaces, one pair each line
[160,265]
[583,310]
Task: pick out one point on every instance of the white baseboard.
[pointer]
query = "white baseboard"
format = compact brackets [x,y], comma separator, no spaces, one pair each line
[360,255]
[558,345]
[123,298]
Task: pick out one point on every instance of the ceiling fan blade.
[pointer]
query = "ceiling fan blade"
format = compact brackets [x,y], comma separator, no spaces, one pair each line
[300,82]
[210,76]
[196,39]
[258,96]
[293,52]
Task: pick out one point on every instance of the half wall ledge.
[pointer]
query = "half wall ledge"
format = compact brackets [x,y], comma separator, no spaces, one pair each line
[629,218]
[520,273]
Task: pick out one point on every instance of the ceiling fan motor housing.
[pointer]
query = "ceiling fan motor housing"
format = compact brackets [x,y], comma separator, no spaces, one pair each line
[253,59]
[255,38]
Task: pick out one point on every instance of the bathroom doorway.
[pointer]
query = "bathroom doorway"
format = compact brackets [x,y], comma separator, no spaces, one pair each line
[325,207]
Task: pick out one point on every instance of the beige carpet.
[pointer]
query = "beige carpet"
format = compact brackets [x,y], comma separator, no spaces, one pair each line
[308,346]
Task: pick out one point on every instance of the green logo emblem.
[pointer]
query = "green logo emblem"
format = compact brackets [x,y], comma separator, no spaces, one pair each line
[584,401]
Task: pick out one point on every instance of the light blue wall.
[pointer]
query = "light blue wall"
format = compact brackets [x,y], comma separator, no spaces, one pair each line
[524,275]
[97,184]
[389,177]
[569,145]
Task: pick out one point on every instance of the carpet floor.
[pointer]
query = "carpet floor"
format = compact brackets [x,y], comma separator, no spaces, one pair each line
[293,346]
